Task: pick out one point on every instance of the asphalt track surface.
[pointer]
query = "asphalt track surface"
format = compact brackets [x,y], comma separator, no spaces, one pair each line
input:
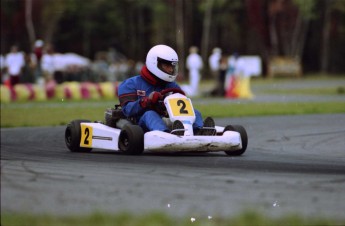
[293,164]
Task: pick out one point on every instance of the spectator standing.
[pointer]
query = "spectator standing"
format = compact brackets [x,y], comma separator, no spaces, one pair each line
[47,63]
[101,67]
[214,61]
[28,72]
[14,62]
[223,68]
[2,68]
[222,73]
[214,64]
[194,65]
[38,52]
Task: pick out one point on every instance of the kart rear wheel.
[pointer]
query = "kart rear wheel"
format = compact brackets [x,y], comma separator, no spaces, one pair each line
[73,136]
[131,140]
[244,139]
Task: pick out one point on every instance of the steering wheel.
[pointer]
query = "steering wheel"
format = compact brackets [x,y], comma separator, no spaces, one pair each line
[160,107]
[172,90]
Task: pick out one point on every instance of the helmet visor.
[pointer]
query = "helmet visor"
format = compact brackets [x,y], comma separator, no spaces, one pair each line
[169,67]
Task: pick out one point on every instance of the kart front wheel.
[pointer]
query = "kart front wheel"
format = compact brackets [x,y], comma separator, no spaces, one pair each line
[73,136]
[131,140]
[244,139]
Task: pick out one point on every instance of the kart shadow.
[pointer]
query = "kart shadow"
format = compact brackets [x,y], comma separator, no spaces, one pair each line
[184,154]
[170,154]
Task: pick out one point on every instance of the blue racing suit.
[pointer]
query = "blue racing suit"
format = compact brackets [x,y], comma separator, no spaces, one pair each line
[132,90]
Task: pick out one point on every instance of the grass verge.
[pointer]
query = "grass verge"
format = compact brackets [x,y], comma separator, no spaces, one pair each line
[60,113]
[309,91]
[155,218]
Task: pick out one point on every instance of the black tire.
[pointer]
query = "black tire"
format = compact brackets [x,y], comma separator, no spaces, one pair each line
[131,140]
[244,139]
[73,136]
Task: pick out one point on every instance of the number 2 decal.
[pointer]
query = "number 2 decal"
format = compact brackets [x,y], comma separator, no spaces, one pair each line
[183,107]
[86,136]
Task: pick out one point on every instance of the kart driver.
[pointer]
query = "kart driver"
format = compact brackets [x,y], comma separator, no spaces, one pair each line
[139,95]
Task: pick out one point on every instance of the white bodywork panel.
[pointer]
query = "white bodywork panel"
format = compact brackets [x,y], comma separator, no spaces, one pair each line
[100,136]
[157,141]
[97,135]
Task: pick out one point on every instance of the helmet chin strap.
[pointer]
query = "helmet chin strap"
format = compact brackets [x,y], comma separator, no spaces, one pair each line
[151,78]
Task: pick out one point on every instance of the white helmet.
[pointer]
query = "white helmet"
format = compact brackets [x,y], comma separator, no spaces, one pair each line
[162,61]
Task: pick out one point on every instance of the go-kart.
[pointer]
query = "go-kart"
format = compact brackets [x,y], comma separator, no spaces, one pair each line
[123,134]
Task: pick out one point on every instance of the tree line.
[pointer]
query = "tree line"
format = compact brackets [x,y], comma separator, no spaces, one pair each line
[312,31]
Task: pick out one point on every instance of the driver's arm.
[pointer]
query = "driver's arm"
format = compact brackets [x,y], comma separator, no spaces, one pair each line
[129,100]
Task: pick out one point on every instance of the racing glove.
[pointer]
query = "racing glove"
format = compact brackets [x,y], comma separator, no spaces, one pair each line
[151,100]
